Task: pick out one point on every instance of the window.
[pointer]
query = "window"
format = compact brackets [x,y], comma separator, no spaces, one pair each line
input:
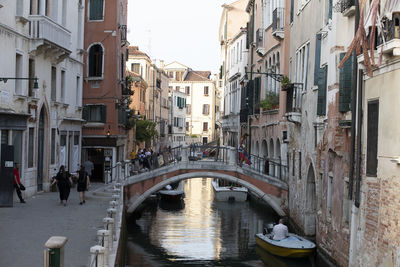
[346,82]
[187,90]
[135,67]
[177,88]
[206,109]
[322,86]
[206,90]
[205,126]
[53,84]
[31,75]
[31,146]
[96,9]
[53,146]
[180,102]
[16,141]
[62,86]
[95,61]
[20,8]
[95,113]
[302,64]
[64,13]
[372,138]
[189,109]
[18,74]
[78,91]
[187,126]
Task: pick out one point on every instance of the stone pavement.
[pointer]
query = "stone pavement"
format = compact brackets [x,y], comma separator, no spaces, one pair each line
[25,228]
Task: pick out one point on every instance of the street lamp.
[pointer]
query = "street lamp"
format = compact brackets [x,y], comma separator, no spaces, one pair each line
[35,83]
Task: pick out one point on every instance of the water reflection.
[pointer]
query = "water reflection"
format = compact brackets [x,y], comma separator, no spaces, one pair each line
[199,231]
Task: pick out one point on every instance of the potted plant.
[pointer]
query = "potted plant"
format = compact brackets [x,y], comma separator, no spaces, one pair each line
[271,101]
[285,83]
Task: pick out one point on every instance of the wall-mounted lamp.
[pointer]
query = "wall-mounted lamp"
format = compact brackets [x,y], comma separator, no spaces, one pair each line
[35,83]
[108,133]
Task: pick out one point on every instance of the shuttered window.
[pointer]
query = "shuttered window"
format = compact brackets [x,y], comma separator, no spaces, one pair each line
[96,9]
[205,126]
[322,84]
[317,57]
[206,109]
[346,83]
[372,138]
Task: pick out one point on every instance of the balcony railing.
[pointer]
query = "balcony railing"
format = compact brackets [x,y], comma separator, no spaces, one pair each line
[278,22]
[42,27]
[343,6]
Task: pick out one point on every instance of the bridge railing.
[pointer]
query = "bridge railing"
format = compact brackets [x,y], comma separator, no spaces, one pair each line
[274,167]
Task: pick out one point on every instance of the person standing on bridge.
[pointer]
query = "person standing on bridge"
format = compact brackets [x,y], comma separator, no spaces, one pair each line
[242,151]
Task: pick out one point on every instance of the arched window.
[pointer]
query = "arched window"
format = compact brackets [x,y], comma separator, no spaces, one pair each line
[95,61]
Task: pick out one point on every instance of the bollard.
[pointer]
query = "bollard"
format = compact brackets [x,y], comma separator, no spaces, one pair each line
[54,253]
[232,156]
[105,236]
[109,225]
[119,172]
[108,174]
[127,168]
[97,256]
[113,204]
[118,185]
[184,154]
[115,197]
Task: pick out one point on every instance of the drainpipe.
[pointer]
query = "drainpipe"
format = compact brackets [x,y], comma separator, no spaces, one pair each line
[354,108]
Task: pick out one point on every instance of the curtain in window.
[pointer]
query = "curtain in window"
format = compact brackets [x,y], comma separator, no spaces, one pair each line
[96,9]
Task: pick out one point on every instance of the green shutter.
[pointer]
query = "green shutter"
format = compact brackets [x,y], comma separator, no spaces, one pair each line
[96,10]
[85,113]
[317,57]
[346,83]
[330,9]
[103,112]
[291,10]
[322,81]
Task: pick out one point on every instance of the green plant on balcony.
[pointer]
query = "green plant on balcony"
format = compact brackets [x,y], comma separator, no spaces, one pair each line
[286,83]
[271,101]
[145,130]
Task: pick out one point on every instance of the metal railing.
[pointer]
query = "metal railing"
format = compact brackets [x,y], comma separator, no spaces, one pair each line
[278,21]
[273,167]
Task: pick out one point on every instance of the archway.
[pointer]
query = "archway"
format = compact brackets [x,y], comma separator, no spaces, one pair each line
[135,200]
[264,147]
[41,142]
[311,206]
[271,158]
[278,167]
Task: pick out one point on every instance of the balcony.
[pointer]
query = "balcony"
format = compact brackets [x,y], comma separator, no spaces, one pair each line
[49,37]
[260,42]
[391,32]
[346,7]
[278,22]
[293,103]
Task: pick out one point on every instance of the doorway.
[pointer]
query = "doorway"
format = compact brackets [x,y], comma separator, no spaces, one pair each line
[96,155]
[40,152]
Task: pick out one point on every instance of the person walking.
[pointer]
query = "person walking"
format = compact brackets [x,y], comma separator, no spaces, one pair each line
[83,184]
[64,182]
[17,183]
[88,167]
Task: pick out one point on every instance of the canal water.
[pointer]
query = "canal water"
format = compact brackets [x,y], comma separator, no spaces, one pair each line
[200,231]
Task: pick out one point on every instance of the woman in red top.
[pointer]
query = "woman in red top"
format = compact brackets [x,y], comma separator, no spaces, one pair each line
[17,183]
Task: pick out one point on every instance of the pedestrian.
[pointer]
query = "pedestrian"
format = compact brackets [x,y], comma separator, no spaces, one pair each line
[64,182]
[17,183]
[280,231]
[89,167]
[83,184]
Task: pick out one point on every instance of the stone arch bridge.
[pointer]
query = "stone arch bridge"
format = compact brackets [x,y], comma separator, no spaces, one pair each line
[272,190]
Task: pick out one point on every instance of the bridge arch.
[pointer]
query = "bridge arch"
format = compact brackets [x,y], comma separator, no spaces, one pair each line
[137,199]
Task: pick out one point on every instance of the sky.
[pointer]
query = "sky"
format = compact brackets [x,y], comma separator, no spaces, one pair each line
[177,30]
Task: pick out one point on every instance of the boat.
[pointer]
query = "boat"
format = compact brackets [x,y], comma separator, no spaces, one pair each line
[293,246]
[172,192]
[228,191]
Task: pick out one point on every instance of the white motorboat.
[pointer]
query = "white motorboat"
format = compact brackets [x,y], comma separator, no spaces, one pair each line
[228,191]
[173,192]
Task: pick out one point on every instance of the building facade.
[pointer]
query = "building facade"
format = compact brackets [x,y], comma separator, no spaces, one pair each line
[104,112]
[43,40]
